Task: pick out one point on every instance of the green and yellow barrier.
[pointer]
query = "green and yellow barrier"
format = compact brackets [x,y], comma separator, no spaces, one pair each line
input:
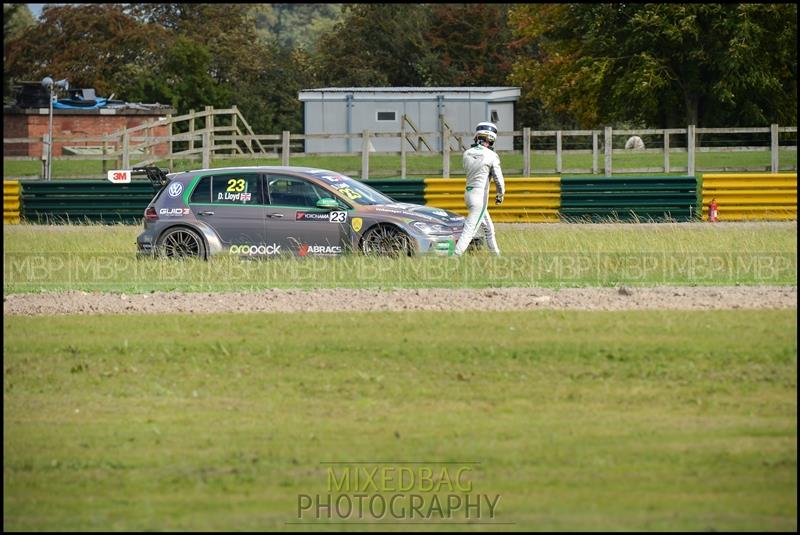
[11,201]
[535,199]
[743,196]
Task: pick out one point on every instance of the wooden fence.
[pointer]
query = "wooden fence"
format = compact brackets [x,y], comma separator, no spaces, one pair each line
[219,134]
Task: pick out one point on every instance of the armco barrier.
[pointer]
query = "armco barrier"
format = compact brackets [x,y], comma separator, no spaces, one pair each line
[534,199]
[410,190]
[11,202]
[629,198]
[85,200]
[104,202]
[741,196]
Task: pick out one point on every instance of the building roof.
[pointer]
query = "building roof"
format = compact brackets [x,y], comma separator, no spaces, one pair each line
[494,94]
[409,89]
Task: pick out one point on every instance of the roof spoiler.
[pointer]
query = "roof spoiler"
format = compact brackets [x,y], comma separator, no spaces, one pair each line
[157,175]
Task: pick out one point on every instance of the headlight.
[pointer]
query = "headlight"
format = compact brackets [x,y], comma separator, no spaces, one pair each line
[430,229]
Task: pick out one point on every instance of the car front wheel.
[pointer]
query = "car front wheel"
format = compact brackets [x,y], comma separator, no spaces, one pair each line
[386,240]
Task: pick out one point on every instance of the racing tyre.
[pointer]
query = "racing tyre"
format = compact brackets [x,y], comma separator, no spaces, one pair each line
[181,243]
[386,240]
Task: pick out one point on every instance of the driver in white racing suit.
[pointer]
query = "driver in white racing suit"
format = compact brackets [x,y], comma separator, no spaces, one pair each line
[480,163]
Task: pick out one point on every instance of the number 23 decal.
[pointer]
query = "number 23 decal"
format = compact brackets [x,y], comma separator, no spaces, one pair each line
[338,217]
[235,184]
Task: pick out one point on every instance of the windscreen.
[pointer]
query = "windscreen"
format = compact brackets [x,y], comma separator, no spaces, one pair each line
[353,190]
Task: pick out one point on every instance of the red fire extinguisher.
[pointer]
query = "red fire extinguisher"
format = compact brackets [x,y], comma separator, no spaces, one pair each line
[712,211]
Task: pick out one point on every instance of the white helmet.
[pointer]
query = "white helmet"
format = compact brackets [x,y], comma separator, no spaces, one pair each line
[486,131]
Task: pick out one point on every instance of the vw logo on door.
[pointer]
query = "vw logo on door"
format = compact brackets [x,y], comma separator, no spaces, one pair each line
[175,189]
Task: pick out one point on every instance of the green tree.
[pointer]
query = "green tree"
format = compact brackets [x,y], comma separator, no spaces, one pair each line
[376,45]
[468,44]
[181,79]
[660,64]
[293,26]
[17,19]
[92,45]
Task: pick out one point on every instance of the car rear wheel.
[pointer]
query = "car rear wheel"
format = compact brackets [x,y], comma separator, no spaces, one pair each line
[181,243]
[386,240]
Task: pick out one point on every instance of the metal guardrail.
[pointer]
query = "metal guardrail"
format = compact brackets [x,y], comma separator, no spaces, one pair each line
[78,201]
[764,196]
[532,199]
[740,196]
[629,198]
[11,202]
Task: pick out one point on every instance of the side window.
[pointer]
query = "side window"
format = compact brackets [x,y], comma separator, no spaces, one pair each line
[291,191]
[234,189]
[202,191]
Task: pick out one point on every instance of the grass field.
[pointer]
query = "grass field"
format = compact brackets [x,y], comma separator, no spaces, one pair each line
[578,421]
[101,257]
[382,166]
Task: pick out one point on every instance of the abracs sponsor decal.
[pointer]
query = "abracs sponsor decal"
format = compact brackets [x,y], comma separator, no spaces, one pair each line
[319,250]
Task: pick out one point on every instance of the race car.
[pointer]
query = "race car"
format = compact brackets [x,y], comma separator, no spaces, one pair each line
[273,211]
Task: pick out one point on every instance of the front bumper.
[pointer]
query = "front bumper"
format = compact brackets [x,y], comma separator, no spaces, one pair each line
[436,245]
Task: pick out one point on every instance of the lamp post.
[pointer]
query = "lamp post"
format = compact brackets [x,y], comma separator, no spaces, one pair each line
[48,83]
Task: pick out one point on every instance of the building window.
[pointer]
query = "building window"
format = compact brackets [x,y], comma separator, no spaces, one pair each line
[387,116]
[495,116]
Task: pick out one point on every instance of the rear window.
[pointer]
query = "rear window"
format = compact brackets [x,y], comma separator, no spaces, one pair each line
[227,189]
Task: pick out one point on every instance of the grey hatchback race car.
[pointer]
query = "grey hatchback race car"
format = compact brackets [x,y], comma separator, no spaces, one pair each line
[272,211]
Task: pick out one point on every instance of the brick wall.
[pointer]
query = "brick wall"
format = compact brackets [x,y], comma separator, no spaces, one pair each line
[83,125]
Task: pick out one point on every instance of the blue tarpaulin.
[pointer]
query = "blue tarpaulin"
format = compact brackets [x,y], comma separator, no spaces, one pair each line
[64,104]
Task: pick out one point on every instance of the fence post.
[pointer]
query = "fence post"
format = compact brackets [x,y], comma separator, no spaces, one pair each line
[445,152]
[607,141]
[365,155]
[191,134]
[773,133]
[666,151]
[526,151]
[403,148]
[45,144]
[105,162]
[285,148]
[210,129]
[594,153]
[234,128]
[126,150]
[171,164]
[690,149]
[558,153]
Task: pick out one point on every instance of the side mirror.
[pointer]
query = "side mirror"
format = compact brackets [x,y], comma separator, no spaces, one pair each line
[327,204]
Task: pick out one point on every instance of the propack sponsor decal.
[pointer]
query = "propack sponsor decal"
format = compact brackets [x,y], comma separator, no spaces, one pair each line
[357,223]
[319,250]
[321,217]
[255,249]
[440,213]
[119,177]
[175,189]
[234,197]
[173,212]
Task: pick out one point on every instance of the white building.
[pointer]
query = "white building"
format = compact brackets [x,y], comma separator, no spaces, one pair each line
[342,110]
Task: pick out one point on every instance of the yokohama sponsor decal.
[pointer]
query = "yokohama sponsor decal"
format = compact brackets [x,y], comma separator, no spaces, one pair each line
[321,217]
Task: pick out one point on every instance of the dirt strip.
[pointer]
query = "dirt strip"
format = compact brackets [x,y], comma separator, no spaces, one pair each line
[350,300]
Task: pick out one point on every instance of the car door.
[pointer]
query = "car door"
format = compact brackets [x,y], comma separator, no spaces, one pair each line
[296,223]
[232,205]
